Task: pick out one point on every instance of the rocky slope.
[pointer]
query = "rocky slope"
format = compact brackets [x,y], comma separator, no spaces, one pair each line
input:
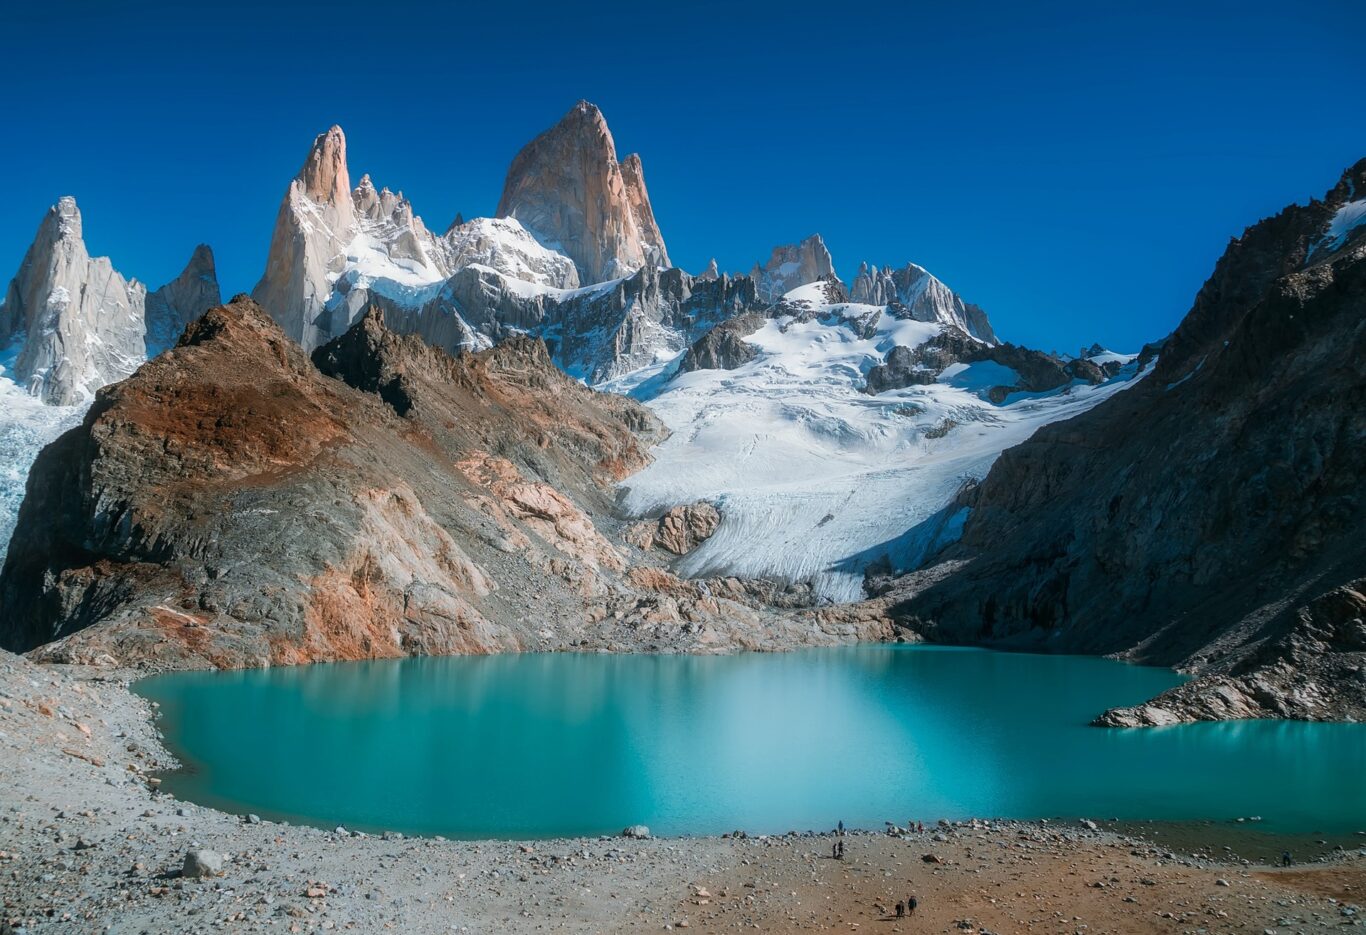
[380,499]
[567,188]
[1210,518]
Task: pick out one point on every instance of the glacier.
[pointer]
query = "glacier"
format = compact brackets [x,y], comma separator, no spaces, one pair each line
[816,480]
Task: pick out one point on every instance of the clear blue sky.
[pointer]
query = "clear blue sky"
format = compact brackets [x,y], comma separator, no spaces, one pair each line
[1075,168]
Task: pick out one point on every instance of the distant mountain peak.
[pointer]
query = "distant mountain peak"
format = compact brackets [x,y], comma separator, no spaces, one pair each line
[793,265]
[324,174]
[567,189]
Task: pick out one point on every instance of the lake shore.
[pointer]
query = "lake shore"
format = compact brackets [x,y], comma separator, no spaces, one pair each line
[89,843]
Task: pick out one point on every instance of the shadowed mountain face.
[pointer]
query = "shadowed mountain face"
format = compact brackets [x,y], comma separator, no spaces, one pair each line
[1211,517]
[380,499]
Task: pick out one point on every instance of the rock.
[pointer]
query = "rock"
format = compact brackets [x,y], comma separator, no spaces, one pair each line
[182,300]
[313,228]
[931,859]
[913,292]
[723,347]
[680,530]
[201,864]
[82,324]
[568,189]
[638,832]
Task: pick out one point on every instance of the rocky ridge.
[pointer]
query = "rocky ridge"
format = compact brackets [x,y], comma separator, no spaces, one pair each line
[381,499]
[1034,371]
[924,297]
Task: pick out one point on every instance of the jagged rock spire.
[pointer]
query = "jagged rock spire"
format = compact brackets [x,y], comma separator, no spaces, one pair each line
[922,295]
[81,322]
[181,301]
[567,188]
[315,223]
[793,265]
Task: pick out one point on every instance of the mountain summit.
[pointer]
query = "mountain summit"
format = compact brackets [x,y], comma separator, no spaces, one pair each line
[567,188]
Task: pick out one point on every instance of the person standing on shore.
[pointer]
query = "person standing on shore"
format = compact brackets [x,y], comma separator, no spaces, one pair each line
[840,828]
[910,906]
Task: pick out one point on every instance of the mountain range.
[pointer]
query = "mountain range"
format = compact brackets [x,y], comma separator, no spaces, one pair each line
[532,432]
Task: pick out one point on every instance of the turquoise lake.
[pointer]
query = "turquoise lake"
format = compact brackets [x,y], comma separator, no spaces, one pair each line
[549,745]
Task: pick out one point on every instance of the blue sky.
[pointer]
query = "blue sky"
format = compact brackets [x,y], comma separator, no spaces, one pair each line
[1075,168]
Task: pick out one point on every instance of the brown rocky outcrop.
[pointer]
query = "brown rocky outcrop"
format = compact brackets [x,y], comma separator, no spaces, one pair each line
[567,188]
[235,503]
[680,530]
[1210,517]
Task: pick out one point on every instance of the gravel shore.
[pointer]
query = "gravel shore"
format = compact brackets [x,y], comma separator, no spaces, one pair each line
[88,843]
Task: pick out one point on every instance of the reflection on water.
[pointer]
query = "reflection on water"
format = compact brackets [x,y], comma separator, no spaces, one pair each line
[547,745]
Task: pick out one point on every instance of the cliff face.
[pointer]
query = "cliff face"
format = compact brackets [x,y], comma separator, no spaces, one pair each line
[793,265]
[924,297]
[1211,517]
[313,228]
[80,321]
[182,300]
[380,499]
[568,189]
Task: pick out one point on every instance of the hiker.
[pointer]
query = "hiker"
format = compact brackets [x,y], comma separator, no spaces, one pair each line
[920,827]
[835,850]
[1285,859]
[840,845]
[910,906]
[841,826]
[901,910]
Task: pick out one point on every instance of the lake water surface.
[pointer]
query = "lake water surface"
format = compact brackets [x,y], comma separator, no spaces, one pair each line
[549,745]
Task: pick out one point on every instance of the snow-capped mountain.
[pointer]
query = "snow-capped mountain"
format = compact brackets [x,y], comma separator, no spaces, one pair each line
[924,297]
[797,412]
[80,323]
[815,478]
[70,324]
[567,188]
[793,265]
[591,278]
